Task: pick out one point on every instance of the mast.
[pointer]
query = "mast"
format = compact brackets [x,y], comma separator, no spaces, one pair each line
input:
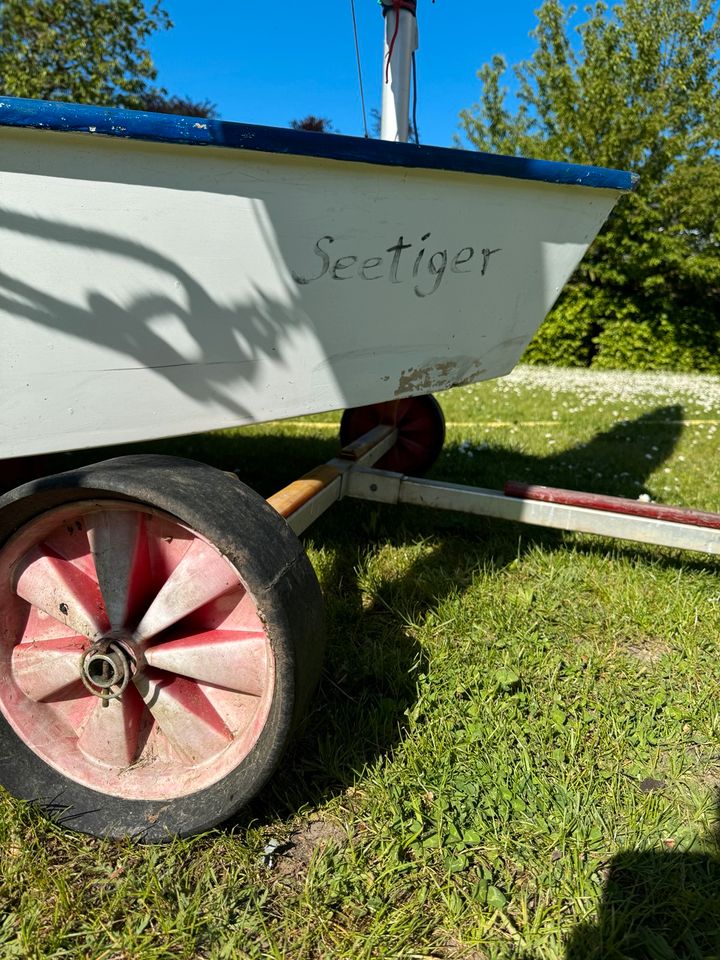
[401,41]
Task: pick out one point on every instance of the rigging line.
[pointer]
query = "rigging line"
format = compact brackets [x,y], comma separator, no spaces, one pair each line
[414,105]
[359,69]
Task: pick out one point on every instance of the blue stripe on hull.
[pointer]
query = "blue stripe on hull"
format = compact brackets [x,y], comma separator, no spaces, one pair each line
[166,128]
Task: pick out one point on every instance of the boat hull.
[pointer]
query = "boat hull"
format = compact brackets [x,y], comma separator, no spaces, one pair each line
[152,289]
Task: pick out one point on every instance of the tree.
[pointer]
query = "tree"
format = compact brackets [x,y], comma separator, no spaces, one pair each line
[88,51]
[158,101]
[313,124]
[635,87]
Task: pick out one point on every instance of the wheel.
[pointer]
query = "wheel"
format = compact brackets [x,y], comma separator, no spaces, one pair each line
[161,630]
[421,431]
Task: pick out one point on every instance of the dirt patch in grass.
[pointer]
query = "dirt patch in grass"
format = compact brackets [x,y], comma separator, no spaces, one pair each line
[711,777]
[451,949]
[646,650]
[292,860]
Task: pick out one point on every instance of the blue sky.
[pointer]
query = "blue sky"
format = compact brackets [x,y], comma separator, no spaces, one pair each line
[269,62]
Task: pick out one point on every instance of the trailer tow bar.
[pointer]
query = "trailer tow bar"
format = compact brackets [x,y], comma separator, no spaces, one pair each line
[352,475]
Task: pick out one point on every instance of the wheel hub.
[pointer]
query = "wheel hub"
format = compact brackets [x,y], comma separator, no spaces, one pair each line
[106,667]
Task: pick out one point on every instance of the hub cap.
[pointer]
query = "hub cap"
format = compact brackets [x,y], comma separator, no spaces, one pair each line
[106,667]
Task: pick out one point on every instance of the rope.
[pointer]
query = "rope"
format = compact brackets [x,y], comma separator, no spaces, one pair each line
[359,69]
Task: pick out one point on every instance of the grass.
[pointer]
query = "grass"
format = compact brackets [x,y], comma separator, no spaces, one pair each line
[514,748]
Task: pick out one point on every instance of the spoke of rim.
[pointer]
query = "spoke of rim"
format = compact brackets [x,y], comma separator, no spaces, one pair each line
[233,661]
[55,585]
[413,446]
[115,540]
[201,576]
[401,411]
[69,541]
[234,611]
[49,669]
[111,732]
[39,626]
[184,715]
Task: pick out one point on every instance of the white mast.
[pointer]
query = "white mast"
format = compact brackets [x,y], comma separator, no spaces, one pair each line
[401,40]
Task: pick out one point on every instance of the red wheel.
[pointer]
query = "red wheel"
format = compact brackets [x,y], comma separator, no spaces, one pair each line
[421,431]
[156,657]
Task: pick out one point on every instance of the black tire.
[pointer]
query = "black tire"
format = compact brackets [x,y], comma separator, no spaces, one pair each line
[276,573]
[420,424]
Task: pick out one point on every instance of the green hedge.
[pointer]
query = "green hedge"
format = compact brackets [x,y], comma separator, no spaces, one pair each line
[599,329]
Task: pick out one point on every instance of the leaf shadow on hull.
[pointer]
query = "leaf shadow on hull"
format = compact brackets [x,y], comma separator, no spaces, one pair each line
[219,332]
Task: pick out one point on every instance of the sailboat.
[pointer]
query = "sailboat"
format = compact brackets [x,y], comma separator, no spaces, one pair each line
[161,628]
[167,275]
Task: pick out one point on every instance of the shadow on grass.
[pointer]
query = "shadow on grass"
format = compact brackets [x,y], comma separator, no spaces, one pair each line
[368,683]
[657,905]
[263,462]
[617,462]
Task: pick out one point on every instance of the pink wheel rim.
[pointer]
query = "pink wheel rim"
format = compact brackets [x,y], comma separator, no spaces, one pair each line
[420,427]
[134,660]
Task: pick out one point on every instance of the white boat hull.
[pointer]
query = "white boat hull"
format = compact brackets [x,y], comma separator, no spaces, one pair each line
[157,289]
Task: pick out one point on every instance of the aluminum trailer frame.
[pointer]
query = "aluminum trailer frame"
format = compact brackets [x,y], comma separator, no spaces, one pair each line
[352,475]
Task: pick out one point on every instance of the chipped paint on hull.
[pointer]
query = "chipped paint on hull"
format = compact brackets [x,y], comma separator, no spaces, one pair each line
[439,375]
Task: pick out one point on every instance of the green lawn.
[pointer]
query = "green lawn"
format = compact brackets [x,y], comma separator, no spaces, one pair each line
[514,748]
